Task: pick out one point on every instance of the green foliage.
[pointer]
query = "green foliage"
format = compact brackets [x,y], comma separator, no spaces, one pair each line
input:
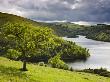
[56,62]
[102,36]
[13,54]
[98,32]
[21,36]
[71,51]
[27,39]
[101,71]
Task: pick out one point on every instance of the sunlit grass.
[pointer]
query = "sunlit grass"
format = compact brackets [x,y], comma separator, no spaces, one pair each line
[9,72]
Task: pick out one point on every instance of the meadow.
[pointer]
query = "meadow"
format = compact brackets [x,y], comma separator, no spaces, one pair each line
[10,72]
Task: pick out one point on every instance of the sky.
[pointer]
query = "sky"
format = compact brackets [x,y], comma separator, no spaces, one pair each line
[78,11]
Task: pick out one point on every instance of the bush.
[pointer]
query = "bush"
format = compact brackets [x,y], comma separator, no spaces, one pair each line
[55,62]
[65,67]
[101,71]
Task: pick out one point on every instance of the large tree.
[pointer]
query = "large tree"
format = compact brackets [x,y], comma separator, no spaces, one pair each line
[26,39]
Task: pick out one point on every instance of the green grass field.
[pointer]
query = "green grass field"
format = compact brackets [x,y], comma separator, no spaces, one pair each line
[9,72]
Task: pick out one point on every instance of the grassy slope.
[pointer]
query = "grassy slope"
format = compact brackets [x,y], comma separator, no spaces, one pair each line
[5,17]
[9,72]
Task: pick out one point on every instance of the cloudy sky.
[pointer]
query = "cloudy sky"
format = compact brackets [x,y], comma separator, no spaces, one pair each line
[59,10]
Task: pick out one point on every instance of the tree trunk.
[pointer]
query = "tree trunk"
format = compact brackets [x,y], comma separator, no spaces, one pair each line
[24,66]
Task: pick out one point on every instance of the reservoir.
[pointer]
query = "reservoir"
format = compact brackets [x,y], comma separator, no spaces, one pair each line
[99,51]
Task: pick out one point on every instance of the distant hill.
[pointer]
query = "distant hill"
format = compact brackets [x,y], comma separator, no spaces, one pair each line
[65,28]
[99,32]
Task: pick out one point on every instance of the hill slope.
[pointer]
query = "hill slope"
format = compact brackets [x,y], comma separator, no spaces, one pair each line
[9,72]
[52,44]
[99,32]
[4,18]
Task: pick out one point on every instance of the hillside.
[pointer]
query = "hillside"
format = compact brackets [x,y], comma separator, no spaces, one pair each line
[46,43]
[9,72]
[4,18]
[99,32]
[65,28]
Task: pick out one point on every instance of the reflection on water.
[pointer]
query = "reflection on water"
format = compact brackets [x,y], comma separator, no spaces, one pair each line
[100,53]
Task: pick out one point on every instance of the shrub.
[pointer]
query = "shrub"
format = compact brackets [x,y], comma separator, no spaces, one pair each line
[55,62]
[65,67]
[101,71]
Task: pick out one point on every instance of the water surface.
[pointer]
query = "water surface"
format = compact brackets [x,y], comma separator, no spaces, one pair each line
[99,51]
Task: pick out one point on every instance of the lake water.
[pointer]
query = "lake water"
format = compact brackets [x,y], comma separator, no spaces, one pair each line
[99,51]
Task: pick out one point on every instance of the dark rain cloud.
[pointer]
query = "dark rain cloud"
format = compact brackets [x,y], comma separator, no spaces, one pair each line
[49,10]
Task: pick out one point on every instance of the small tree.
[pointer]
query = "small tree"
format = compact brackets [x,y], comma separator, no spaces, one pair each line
[56,62]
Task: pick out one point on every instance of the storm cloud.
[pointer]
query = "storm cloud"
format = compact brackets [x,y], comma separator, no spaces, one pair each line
[51,10]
